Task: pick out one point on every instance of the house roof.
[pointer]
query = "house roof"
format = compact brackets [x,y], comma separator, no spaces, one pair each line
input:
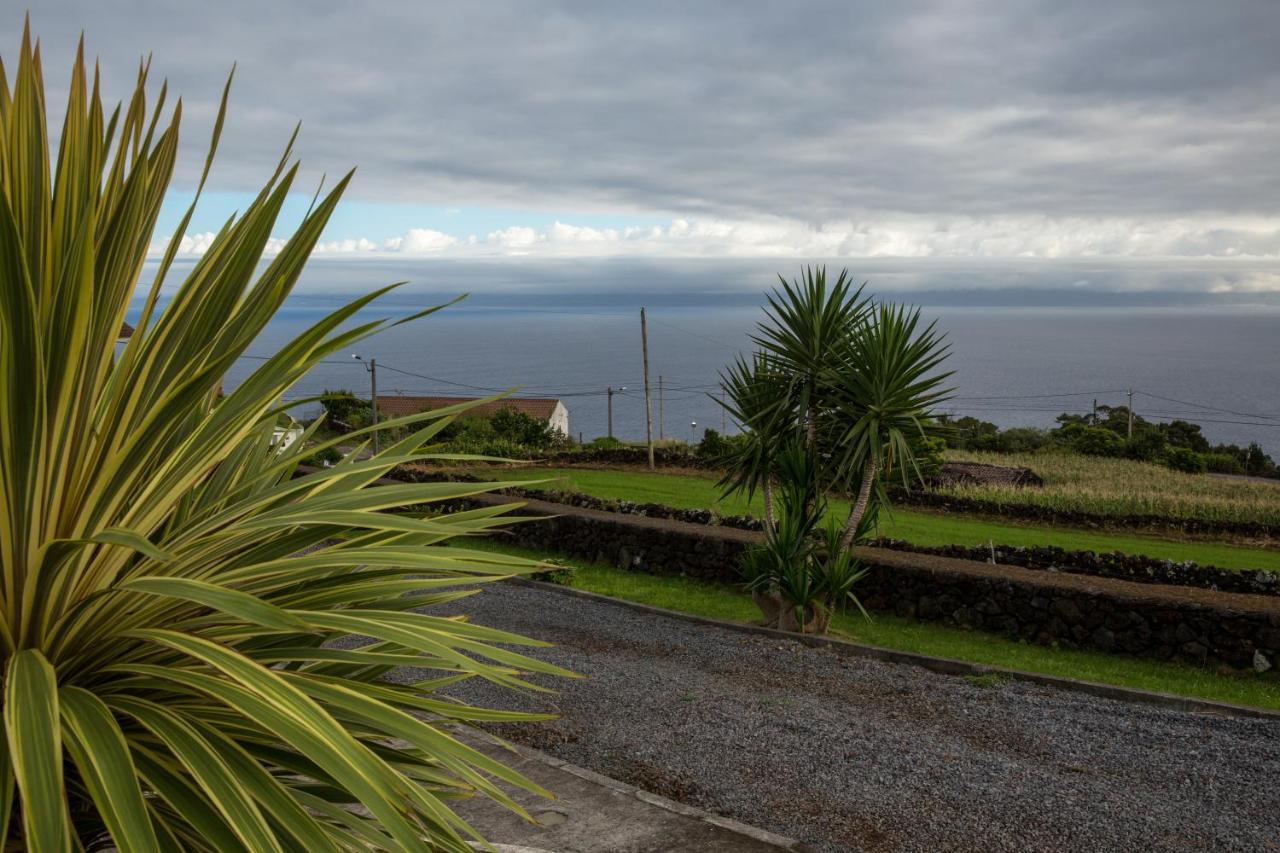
[126,331]
[537,407]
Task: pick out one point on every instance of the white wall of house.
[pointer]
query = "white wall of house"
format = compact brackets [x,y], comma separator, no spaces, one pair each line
[282,437]
[559,418]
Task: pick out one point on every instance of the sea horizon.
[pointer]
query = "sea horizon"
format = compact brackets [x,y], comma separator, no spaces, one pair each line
[1190,354]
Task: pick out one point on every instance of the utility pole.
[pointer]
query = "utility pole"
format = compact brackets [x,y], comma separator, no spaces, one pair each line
[1130,435]
[724,415]
[648,409]
[373,398]
[372,367]
[1093,421]
[611,392]
[662,415]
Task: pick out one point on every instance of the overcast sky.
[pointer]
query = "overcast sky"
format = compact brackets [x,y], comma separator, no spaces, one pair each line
[951,129]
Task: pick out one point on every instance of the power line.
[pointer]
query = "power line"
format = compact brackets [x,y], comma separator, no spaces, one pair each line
[1041,396]
[696,335]
[1209,408]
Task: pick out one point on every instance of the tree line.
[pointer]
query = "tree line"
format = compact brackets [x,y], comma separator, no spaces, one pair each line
[1178,444]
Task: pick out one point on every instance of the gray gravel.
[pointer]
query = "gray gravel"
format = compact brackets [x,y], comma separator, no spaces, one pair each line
[858,755]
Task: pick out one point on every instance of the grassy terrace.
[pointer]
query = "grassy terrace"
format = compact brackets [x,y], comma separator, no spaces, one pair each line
[732,604]
[696,491]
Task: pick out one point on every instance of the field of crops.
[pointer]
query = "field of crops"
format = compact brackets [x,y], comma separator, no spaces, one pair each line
[698,490]
[1120,487]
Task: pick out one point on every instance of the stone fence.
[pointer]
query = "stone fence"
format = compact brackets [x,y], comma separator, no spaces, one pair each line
[1070,610]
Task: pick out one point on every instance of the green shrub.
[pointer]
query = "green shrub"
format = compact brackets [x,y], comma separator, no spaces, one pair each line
[1185,459]
[1146,446]
[930,451]
[968,433]
[1096,441]
[716,447]
[1021,440]
[324,458]
[345,407]
[523,429]
[1223,463]
[604,442]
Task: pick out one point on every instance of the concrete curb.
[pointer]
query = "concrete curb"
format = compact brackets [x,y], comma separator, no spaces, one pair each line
[763,835]
[944,666]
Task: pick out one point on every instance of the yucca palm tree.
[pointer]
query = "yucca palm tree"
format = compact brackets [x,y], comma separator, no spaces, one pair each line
[805,323]
[850,383]
[883,385]
[171,584]
[757,394]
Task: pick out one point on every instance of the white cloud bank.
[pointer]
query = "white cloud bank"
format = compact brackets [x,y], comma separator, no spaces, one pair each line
[959,237]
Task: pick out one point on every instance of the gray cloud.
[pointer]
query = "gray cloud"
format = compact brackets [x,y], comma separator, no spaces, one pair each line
[816,112]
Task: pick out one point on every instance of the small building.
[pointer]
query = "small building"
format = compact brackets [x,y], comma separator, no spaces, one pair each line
[282,436]
[126,332]
[547,410]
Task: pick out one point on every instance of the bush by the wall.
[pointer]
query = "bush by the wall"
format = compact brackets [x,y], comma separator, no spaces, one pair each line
[714,446]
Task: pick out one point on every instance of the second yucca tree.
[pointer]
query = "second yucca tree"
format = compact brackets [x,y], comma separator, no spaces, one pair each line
[171,583]
[851,384]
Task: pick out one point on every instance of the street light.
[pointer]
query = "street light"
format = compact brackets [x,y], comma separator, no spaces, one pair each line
[693,431]
[372,366]
[611,392]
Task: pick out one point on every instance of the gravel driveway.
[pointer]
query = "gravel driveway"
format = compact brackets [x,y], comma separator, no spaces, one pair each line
[850,754]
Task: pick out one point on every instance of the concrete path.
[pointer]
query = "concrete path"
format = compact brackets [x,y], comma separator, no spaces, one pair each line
[596,814]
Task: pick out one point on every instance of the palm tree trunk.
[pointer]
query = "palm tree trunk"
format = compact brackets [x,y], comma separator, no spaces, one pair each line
[860,505]
[768,504]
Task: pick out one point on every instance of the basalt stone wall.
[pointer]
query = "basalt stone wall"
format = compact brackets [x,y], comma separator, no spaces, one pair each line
[1238,634]
[1131,567]
[634,543]
[662,457]
[1071,611]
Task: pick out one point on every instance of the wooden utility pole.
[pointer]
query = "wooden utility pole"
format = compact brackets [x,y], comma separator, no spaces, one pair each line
[1130,435]
[648,409]
[1093,420]
[372,366]
[610,393]
[662,415]
[724,415]
[373,380]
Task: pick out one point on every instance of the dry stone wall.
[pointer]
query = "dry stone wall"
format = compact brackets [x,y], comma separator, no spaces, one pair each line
[1070,611]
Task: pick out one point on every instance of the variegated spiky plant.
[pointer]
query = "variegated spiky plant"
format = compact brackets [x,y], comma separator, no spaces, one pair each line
[171,585]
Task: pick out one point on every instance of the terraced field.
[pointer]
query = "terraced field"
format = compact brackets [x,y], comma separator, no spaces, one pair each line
[696,490]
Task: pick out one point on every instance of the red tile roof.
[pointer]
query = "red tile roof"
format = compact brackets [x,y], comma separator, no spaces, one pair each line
[126,331]
[394,407]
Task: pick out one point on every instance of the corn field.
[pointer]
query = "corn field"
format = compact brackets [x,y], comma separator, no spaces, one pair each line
[1075,483]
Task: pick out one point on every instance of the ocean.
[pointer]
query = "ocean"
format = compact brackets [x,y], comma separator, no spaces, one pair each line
[1015,366]
[1029,340]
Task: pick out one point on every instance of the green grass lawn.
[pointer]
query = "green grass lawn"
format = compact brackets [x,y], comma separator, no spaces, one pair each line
[732,604]
[691,491]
